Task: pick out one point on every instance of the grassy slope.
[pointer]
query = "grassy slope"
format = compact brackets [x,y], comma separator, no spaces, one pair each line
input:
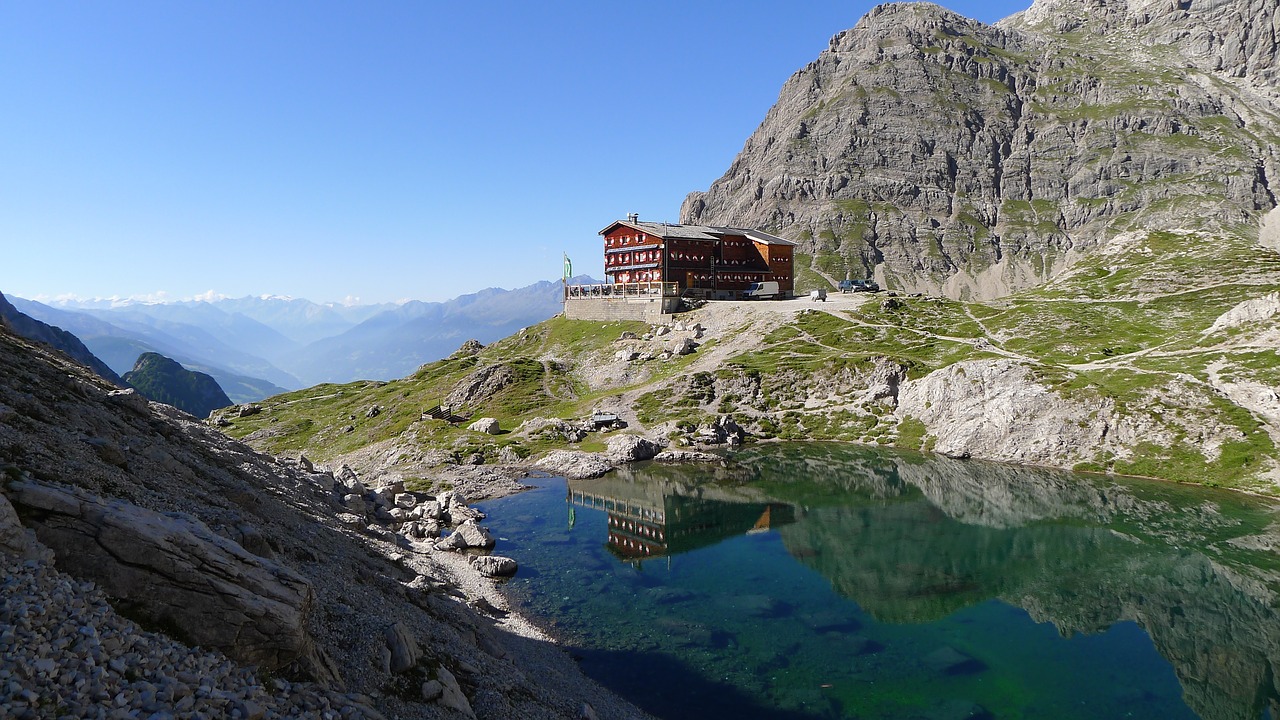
[1126,324]
[1102,330]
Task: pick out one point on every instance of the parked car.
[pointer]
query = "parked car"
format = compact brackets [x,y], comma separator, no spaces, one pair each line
[868,285]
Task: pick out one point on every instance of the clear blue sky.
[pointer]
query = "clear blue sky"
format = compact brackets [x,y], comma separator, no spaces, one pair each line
[375,150]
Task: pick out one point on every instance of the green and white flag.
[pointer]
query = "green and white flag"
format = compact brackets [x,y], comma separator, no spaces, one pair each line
[568,268]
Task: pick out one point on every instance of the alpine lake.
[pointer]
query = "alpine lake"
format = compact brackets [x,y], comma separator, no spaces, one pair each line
[835,581]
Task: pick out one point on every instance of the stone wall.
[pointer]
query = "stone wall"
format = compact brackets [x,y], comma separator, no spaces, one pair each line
[610,309]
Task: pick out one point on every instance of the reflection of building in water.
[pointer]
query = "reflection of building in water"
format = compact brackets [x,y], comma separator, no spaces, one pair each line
[651,520]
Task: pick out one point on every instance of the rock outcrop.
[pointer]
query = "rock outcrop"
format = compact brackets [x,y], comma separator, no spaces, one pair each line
[575,465]
[952,157]
[631,448]
[173,572]
[995,409]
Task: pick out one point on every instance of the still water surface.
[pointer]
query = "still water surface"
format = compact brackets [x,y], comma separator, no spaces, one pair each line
[825,581]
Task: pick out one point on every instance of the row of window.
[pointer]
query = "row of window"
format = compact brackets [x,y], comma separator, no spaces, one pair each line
[641,276]
[624,240]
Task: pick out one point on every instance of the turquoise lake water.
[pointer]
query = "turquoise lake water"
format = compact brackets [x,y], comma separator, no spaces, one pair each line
[830,581]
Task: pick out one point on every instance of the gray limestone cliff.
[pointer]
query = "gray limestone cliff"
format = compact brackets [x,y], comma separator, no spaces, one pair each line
[953,157]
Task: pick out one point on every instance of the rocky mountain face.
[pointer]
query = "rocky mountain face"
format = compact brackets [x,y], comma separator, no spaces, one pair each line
[157,566]
[951,157]
[166,381]
[54,337]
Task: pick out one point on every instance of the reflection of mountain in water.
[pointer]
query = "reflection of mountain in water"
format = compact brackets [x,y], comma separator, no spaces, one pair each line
[656,518]
[913,540]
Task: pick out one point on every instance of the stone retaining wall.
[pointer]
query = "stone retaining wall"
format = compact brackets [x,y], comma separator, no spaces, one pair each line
[621,308]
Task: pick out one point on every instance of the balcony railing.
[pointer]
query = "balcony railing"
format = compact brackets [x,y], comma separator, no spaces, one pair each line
[623,290]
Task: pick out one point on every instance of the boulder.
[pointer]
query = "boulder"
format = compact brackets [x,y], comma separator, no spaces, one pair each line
[683,346]
[461,513]
[172,571]
[631,448]
[348,479]
[474,535]
[488,426]
[494,565]
[324,481]
[405,500]
[431,510]
[351,520]
[451,693]
[133,400]
[452,541]
[404,649]
[432,690]
[552,427]
[248,410]
[574,465]
[355,503]
[475,389]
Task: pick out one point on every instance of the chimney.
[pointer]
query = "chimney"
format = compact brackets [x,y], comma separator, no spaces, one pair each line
[633,217]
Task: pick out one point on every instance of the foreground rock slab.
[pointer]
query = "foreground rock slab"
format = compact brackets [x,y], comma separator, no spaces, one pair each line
[176,573]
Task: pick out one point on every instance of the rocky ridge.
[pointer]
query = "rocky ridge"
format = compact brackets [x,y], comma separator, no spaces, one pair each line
[54,337]
[276,569]
[951,157]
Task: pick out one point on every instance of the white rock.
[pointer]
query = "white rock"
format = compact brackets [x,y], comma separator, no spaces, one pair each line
[488,426]
[494,565]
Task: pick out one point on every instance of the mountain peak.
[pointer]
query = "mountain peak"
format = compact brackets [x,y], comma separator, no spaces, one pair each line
[946,156]
[165,380]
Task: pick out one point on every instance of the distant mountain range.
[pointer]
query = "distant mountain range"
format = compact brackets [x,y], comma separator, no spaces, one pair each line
[55,337]
[255,347]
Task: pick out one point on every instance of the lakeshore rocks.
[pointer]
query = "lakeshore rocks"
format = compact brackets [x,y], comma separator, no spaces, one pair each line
[574,465]
[631,448]
[686,456]
[469,534]
[495,565]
